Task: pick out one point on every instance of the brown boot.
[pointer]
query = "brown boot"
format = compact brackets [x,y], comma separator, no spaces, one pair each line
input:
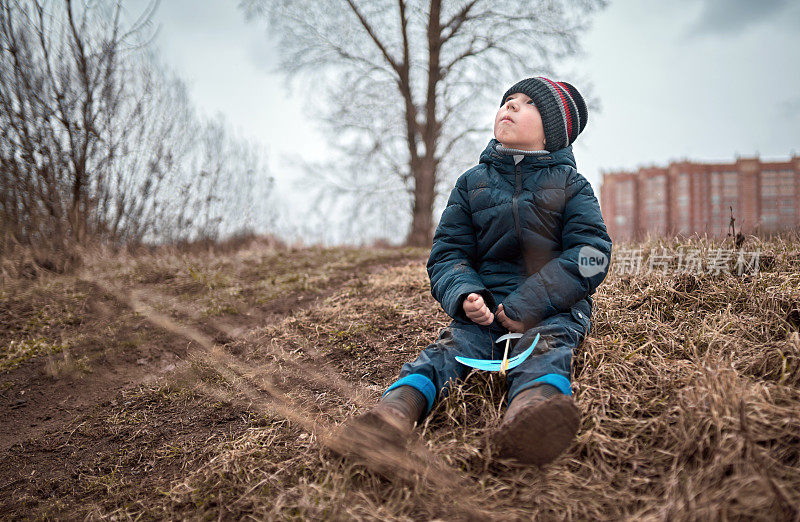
[539,425]
[393,418]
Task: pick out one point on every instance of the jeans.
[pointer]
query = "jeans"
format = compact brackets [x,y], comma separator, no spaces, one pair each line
[436,367]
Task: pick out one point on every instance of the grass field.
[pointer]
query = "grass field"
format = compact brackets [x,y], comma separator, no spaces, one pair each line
[209,386]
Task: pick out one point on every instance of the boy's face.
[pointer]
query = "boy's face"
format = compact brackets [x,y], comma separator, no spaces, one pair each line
[518,124]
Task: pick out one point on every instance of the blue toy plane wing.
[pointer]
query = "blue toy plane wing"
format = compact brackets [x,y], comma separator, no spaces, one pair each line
[481,364]
[490,365]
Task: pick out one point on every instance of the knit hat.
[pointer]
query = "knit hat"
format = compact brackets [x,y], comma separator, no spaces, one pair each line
[561,106]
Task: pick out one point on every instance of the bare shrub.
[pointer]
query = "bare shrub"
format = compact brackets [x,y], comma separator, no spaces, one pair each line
[99,142]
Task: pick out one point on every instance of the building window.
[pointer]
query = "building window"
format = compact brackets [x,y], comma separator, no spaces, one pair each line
[624,202]
[778,199]
[724,197]
[682,211]
[654,203]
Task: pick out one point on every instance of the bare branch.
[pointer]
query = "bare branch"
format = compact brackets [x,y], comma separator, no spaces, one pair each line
[455,23]
[371,32]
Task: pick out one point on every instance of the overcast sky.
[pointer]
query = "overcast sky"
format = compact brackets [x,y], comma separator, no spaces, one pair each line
[698,79]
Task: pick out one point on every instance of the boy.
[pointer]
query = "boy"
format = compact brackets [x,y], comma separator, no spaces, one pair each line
[509,255]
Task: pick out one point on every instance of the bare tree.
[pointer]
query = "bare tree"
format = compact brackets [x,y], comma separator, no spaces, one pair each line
[406,83]
[59,104]
[98,140]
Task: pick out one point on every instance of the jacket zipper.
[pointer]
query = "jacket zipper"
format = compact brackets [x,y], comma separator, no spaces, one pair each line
[515,209]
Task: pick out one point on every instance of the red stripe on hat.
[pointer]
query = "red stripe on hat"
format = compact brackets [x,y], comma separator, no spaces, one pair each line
[567,91]
[558,88]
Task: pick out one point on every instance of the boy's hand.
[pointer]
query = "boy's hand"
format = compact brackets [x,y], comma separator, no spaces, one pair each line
[476,310]
[509,324]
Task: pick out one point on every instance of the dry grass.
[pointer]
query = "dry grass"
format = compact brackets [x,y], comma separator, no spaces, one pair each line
[689,387]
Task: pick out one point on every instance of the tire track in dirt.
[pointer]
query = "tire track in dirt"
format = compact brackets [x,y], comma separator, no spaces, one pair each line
[59,456]
[35,403]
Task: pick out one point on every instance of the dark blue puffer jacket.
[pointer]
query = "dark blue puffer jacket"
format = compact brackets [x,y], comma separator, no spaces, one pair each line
[530,236]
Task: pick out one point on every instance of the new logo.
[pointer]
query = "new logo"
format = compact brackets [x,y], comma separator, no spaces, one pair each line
[591,261]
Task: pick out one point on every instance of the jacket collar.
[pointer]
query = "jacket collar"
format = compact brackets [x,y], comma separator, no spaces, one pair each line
[504,163]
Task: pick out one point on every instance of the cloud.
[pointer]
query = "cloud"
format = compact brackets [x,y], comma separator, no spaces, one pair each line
[789,109]
[725,17]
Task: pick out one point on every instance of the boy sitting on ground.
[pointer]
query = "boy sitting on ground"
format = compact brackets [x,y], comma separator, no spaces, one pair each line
[510,255]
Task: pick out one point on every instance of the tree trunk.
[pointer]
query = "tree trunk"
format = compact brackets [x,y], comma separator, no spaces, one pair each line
[421,234]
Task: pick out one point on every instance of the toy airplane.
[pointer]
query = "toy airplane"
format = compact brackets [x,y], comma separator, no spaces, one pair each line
[504,364]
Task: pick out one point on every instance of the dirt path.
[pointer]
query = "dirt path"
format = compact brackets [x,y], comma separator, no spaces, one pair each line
[55,409]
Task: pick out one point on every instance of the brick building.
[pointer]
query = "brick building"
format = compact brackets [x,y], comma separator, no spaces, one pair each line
[686,197]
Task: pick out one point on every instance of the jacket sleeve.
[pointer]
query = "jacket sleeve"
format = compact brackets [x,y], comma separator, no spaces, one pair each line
[451,265]
[577,271]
